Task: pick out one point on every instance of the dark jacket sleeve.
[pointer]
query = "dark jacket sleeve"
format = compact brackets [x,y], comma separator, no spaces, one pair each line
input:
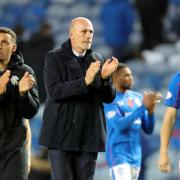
[57,81]
[108,92]
[29,103]
[1,97]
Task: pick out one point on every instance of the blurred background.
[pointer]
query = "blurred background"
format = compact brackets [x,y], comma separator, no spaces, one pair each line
[145,34]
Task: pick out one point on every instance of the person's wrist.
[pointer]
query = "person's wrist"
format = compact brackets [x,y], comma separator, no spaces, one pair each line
[22,93]
[163,151]
[86,81]
[104,77]
[151,111]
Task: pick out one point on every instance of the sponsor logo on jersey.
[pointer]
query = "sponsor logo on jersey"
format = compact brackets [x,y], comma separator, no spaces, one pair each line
[130,103]
[137,121]
[168,95]
[110,114]
[138,102]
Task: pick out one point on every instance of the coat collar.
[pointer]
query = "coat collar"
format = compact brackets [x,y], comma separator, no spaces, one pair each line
[16,60]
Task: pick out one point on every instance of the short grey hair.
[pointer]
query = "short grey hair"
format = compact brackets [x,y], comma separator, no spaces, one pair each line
[9,31]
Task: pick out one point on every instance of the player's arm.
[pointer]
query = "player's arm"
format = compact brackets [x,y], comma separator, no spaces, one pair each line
[167,127]
[148,122]
[150,100]
[166,131]
[118,119]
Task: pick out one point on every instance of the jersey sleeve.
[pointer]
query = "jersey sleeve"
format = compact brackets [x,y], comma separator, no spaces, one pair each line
[118,120]
[173,93]
[148,122]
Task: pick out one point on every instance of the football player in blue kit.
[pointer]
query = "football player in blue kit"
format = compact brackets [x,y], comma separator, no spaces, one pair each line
[125,117]
[172,103]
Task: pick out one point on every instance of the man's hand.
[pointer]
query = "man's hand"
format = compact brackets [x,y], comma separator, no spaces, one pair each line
[109,67]
[26,83]
[164,163]
[4,79]
[150,99]
[91,72]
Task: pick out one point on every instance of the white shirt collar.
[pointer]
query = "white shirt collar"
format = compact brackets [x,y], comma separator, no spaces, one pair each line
[77,54]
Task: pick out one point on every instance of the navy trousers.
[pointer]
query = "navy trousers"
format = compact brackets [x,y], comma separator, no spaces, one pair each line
[14,165]
[72,165]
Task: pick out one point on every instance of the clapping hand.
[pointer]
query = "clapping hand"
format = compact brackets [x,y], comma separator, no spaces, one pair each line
[91,72]
[26,83]
[150,100]
[4,79]
[109,67]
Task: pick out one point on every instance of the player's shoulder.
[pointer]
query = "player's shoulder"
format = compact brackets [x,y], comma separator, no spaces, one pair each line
[134,93]
[175,79]
[176,76]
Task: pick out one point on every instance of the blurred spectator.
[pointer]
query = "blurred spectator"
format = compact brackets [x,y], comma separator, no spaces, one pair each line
[117,21]
[40,42]
[19,30]
[152,13]
[33,15]
[173,17]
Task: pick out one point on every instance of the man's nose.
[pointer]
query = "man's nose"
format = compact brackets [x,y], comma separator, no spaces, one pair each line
[89,34]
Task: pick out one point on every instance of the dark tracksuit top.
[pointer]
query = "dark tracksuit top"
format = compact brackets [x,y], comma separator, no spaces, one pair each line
[13,110]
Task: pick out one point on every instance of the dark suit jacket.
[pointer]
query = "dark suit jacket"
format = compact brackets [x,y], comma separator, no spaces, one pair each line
[73,115]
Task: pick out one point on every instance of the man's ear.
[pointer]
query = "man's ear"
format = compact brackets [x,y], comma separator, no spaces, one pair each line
[14,48]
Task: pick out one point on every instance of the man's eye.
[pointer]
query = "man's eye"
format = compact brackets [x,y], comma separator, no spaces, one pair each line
[5,43]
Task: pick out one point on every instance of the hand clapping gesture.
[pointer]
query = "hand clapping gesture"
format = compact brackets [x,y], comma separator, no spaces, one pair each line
[91,72]
[150,100]
[4,79]
[26,83]
[109,67]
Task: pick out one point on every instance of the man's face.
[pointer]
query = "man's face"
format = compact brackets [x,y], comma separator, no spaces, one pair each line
[125,79]
[7,47]
[82,35]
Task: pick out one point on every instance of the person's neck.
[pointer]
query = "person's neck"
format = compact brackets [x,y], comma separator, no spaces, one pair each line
[120,89]
[3,66]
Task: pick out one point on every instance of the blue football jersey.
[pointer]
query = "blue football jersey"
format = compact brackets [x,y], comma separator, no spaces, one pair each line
[173,94]
[125,117]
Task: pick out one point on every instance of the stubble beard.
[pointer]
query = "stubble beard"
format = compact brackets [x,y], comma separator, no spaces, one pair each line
[2,60]
[127,86]
[88,46]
